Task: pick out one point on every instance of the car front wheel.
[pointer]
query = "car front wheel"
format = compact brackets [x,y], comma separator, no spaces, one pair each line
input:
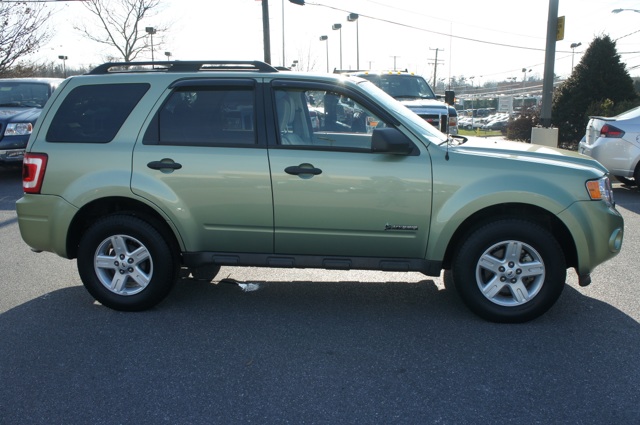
[509,271]
[125,263]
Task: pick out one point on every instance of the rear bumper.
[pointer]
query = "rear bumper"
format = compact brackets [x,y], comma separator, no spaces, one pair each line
[619,156]
[36,217]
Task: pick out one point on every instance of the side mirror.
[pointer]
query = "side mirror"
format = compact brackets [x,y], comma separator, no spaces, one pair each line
[390,140]
[449,97]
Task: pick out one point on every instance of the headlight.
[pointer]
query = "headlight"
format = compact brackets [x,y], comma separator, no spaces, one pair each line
[600,190]
[18,129]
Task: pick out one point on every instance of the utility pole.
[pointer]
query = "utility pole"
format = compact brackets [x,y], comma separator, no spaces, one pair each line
[265,31]
[549,59]
[435,67]
[394,62]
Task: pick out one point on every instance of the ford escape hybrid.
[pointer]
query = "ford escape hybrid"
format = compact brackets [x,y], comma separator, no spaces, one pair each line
[142,171]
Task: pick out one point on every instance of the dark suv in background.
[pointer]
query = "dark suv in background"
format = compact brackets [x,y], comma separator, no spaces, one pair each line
[21,101]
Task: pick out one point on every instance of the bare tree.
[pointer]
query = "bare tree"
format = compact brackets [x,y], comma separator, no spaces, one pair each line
[22,32]
[119,25]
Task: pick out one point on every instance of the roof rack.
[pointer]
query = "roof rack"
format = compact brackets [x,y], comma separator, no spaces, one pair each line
[181,66]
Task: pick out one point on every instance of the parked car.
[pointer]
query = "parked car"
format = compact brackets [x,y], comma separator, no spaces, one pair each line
[414,92]
[147,171]
[615,143]
[21,101]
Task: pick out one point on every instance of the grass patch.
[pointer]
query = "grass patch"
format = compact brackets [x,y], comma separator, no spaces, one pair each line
[479,133]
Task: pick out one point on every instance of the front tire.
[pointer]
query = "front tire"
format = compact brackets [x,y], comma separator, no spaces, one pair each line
[125,263]
[509,271]
[626,181]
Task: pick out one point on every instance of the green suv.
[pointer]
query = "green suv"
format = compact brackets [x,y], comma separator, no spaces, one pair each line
[148,171]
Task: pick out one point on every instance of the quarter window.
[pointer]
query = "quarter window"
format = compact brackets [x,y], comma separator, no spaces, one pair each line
[94,113]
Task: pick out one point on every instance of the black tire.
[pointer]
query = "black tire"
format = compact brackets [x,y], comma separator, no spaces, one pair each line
[128,247]
[504,290]
[625,180]
[636,176]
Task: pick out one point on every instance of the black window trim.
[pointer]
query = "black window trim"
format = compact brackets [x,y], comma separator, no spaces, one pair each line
[217,83]
[322,85]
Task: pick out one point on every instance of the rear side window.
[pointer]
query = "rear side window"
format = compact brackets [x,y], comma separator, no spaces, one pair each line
[205,116]
[94,113]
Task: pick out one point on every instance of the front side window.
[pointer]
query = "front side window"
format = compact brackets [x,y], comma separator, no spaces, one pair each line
[207,116]
[94,113]
[322,118]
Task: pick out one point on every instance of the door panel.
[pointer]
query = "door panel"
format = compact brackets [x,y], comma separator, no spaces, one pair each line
[352,202]
[203,163]
[361,204]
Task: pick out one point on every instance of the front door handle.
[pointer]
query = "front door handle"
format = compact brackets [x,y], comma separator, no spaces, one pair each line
[296,170]
[164,164]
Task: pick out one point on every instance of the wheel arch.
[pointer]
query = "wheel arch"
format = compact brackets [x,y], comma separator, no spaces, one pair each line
[529,212]
[111,205]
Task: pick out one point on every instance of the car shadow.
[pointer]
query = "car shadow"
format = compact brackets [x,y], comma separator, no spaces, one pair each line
[627,197]
[323,352]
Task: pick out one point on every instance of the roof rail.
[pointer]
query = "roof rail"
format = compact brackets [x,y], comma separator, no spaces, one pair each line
[181,66]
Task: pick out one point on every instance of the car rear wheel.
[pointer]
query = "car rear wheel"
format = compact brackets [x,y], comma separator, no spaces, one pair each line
[509,271]
[125,263]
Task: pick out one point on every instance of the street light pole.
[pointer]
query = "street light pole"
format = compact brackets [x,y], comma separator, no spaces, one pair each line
[325,38]
[573,51]
[524,80]
[472,111]
[353,17]
[151,31]
[64,64]
[339,28]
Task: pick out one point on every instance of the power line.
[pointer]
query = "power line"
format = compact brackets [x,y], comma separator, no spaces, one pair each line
[433,32]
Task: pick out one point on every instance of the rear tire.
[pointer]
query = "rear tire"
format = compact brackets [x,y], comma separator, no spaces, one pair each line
[125,263]
[509,271]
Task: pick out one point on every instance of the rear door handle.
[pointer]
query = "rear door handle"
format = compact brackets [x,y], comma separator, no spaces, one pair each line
[164,164]
[296,170]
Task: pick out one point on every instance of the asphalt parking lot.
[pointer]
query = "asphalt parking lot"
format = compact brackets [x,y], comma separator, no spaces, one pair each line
[312,347]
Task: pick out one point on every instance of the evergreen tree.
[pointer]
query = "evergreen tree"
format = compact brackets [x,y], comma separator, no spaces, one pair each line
[599,79]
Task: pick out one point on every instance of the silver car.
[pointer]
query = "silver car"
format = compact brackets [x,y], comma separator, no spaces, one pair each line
[615,143]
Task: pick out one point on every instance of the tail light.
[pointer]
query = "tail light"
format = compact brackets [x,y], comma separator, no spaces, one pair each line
[611,132]
[33,168]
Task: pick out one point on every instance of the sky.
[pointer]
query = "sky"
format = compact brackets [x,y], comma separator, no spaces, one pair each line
[489,40]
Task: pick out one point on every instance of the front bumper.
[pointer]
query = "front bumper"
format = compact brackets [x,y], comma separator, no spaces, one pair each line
[597,230]
[11,156]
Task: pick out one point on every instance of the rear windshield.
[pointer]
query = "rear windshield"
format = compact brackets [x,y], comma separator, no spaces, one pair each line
[94,113]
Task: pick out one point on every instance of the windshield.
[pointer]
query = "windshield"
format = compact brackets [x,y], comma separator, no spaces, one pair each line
[413,120]
[23,94]
[402,85]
